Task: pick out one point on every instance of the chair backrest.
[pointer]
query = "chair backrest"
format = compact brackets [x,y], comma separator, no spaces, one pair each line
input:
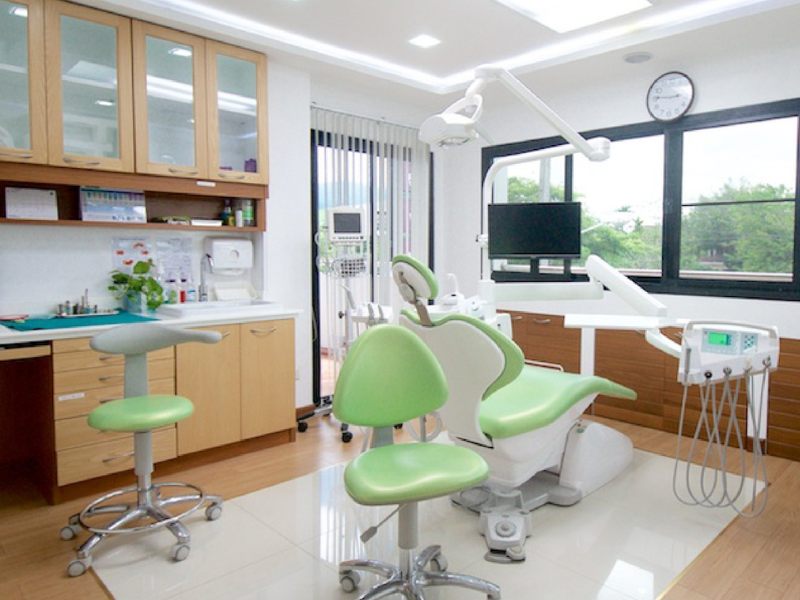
[477,359]
[388,377]
[137,339]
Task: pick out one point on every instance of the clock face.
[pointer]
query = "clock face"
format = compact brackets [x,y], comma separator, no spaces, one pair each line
[670,96]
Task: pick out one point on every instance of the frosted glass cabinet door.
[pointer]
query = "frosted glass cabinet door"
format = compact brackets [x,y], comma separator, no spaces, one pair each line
[90,106]
[237,119]
[23,137]
[169,100]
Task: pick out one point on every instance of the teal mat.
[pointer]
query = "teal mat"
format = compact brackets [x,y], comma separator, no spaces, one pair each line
[61,323]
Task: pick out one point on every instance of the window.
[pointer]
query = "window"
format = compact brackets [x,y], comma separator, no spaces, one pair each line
[704,205]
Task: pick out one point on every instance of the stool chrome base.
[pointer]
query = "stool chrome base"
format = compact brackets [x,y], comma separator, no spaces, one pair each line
[411,581]
[149,504]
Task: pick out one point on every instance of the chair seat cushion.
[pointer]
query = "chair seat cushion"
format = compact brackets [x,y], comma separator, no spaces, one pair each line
[410,472]
[539,396]
[140,413]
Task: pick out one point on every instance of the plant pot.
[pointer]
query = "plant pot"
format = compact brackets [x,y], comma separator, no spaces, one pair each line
[136,303]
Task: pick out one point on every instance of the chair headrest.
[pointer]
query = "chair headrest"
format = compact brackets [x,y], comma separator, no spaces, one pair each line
[139,338]
[414,279]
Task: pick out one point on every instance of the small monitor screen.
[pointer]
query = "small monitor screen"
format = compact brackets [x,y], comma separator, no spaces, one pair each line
[535,230]
[347,222]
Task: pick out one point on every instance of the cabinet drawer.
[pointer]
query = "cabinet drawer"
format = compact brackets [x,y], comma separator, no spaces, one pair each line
[68,382]
[88,359]
[86,462]
[75,432]
[82,403]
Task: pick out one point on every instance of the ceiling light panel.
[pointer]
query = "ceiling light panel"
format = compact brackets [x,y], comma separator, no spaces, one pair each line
[424,41]
[180,51]
[568,15]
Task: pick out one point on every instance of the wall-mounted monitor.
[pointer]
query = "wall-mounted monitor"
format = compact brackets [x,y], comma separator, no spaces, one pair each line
[346,224]
[535,230]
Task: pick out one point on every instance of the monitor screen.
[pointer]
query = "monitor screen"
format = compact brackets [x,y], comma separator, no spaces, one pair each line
[535,230]
[347,222]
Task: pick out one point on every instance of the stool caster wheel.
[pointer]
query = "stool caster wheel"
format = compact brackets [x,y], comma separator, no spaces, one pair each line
[179,552]
[398,426]
[343,427]
[302,426]
[69,532]
[213,512]
[349,581]
[438,564]
[78,567]
[347,436]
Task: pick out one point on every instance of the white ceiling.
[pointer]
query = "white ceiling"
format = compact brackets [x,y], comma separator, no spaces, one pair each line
[371,36]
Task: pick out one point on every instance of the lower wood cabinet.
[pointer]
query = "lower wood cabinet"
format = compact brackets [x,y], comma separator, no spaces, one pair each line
[242,387]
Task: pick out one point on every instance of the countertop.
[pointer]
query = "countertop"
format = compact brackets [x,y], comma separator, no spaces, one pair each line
[233,314]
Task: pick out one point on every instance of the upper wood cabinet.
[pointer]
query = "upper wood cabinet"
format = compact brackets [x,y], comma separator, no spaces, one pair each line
[170,102]
[23,113]
[89,92]
[237,113]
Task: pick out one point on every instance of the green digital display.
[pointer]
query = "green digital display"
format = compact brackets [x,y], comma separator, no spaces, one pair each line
[717,338]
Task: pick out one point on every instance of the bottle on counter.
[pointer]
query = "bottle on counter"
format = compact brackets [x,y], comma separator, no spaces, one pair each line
[190,290]
[171,289]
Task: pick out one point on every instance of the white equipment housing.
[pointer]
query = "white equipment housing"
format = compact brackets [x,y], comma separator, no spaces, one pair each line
[346,225]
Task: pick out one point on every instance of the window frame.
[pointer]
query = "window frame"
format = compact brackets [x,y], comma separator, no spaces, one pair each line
[670,281]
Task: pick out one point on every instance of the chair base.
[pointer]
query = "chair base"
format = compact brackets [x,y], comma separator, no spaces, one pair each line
[149,504]
[411,582]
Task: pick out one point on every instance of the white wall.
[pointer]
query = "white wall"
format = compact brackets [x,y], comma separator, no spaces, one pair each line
[605,91]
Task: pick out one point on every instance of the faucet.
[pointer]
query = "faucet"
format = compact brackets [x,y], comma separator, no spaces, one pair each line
[206,265]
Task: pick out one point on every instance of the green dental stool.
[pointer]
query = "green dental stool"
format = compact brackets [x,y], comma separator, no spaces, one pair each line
[140,413]
[388,377]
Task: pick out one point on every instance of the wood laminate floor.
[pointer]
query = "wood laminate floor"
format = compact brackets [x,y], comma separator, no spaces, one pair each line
[753,559]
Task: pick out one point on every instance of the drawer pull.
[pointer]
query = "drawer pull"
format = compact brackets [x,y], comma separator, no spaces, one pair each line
[116,457]
[225,334]
[229,176]
[542,321]
[104,400]
[517,318]
[546,365]
[107,378]
[109,357]
[85,163]
[175,171]
[263,332]
[25,156]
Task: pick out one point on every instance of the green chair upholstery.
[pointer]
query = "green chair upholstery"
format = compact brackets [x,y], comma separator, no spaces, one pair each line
[140,413]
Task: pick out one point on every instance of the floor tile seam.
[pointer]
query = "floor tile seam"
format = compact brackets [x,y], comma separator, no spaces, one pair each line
[268,526]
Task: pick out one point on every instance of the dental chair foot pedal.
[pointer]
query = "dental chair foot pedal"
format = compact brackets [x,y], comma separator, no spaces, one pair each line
[505,533]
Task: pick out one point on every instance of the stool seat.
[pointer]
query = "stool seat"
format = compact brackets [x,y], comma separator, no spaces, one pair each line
[402,473]
[140,413]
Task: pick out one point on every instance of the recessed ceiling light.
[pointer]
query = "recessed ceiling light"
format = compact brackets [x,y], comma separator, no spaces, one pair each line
[635,58]
[19,11]
[104,102]
[424,41]
[567,15]
[178,51]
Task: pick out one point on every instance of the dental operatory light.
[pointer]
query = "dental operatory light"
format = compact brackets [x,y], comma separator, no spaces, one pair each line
[568,15]
[424,41]
[19,11]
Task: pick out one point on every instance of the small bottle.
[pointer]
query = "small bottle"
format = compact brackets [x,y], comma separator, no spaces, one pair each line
[171,289]
[227,213]
[190,289]
[239,217]
[247,210]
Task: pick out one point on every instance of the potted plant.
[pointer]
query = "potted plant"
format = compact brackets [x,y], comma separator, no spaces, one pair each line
[138,290]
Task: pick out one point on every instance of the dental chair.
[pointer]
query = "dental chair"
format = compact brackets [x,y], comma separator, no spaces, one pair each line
[143,506]
[525,421]
[389,376]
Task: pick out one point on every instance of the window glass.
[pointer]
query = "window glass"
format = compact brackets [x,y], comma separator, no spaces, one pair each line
[622,199]
[737,219]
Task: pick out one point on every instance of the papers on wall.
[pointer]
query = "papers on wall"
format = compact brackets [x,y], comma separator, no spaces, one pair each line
[31,203]
[128,251]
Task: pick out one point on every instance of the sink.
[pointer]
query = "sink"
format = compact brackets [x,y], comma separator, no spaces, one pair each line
[218,307]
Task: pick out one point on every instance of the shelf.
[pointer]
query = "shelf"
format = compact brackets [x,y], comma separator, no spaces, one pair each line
[164,196]
[76,223]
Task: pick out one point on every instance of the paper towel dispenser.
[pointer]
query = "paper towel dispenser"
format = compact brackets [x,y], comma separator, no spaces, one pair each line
[229,254]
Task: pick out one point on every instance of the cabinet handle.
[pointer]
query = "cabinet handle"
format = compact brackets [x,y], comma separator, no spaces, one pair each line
[181,171]
[517,318]
[26,156]
[263,332]
[225,334]
[229,176]
[107,378]
[86,163]
[542,321]
[546,365]
[104,400]
[109,357]
[116,457]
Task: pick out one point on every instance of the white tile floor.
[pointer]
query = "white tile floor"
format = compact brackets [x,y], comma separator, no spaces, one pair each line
[626,541]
